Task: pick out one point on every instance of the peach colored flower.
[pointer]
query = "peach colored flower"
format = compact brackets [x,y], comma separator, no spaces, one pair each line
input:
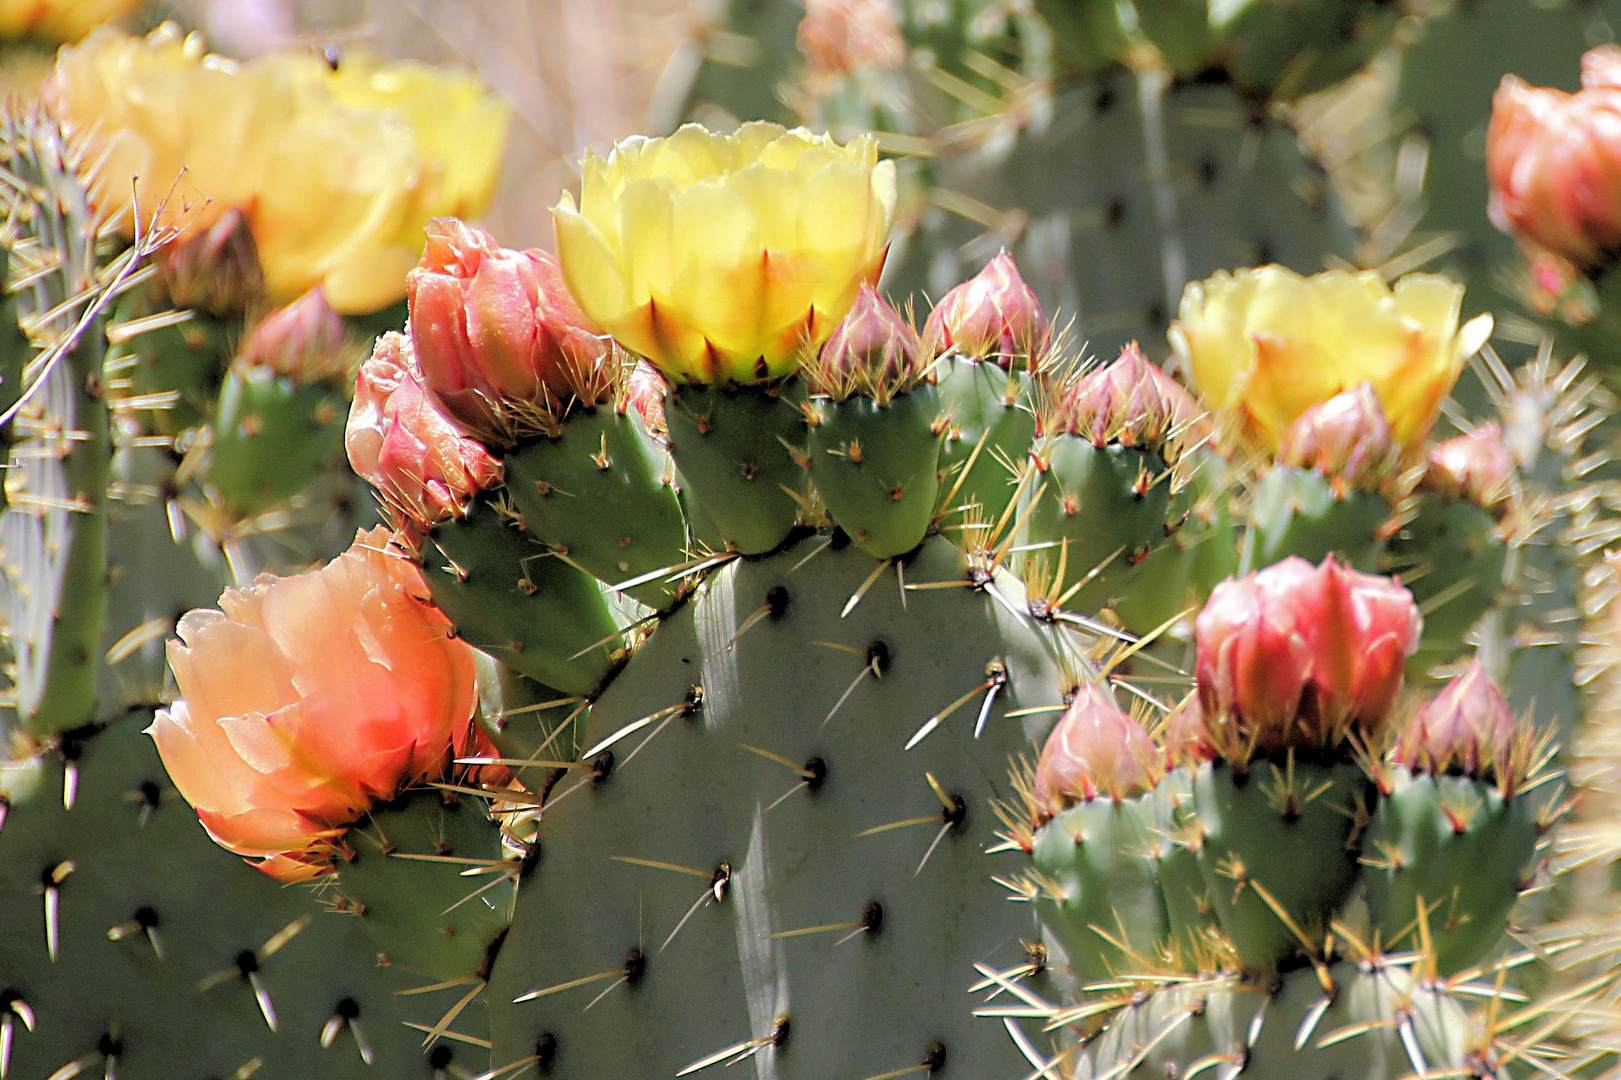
[306,699]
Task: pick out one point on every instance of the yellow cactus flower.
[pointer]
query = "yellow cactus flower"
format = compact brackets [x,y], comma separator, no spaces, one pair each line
[59,20]
[1266,344]
[724,257]
[336,173]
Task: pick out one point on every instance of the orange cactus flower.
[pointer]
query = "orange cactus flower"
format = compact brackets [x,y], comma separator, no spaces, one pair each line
[305,700]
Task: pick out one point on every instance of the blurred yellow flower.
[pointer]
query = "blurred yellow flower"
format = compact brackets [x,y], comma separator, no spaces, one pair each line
[59,20]
[723,257]
[1267,344]
[337,172]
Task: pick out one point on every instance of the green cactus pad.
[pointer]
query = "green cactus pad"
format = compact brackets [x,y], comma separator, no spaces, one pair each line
[157,930]
[1203,549]
[403,879]
[1457,844]
[508,595]
[740,451]
[600,494]
[1190,916]
[182,363]
[765,818]
[1451,556]
[271,437]
[984,407]
[1101,899]
[1297,512]
[1372,1022]
[876,467]
[1106,505]
[1254,828]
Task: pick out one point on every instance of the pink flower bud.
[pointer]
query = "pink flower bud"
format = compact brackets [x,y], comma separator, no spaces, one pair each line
[1468,725]
[1096,749]
[993,314]
[1554,162]
[1296,655]
[1132,401]
[841,36]
[411,452]
[1477,466]
[303,341]
[496,328]
[307,699]
[872,350]
[1345,438]
[644,392]
[215,271]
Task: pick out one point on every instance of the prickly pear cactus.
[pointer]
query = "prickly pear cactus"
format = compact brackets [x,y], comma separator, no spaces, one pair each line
[783,801]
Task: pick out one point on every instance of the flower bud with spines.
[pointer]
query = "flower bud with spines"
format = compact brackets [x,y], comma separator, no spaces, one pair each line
[1134,403]
[1097,750]
[1297,656]
[215,270]
[1095,847]
[991,316]
[1468,728]
[1477,466]
[987,337]
[279,417]
[1102,478]
[874,440]
[1327,491]
[302,341]
[1453,838]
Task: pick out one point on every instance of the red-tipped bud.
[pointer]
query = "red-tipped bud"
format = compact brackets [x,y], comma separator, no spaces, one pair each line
[1096,750]
[644,391]
[496,328]
[1297,655]
[872,351]
[993,314]
[215,271]
[1132,401]
[303,341]
[841,36]
[1554,162]
[1477,466]
[1345,438]
[1468,725]
[1184,738]
[411,452]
